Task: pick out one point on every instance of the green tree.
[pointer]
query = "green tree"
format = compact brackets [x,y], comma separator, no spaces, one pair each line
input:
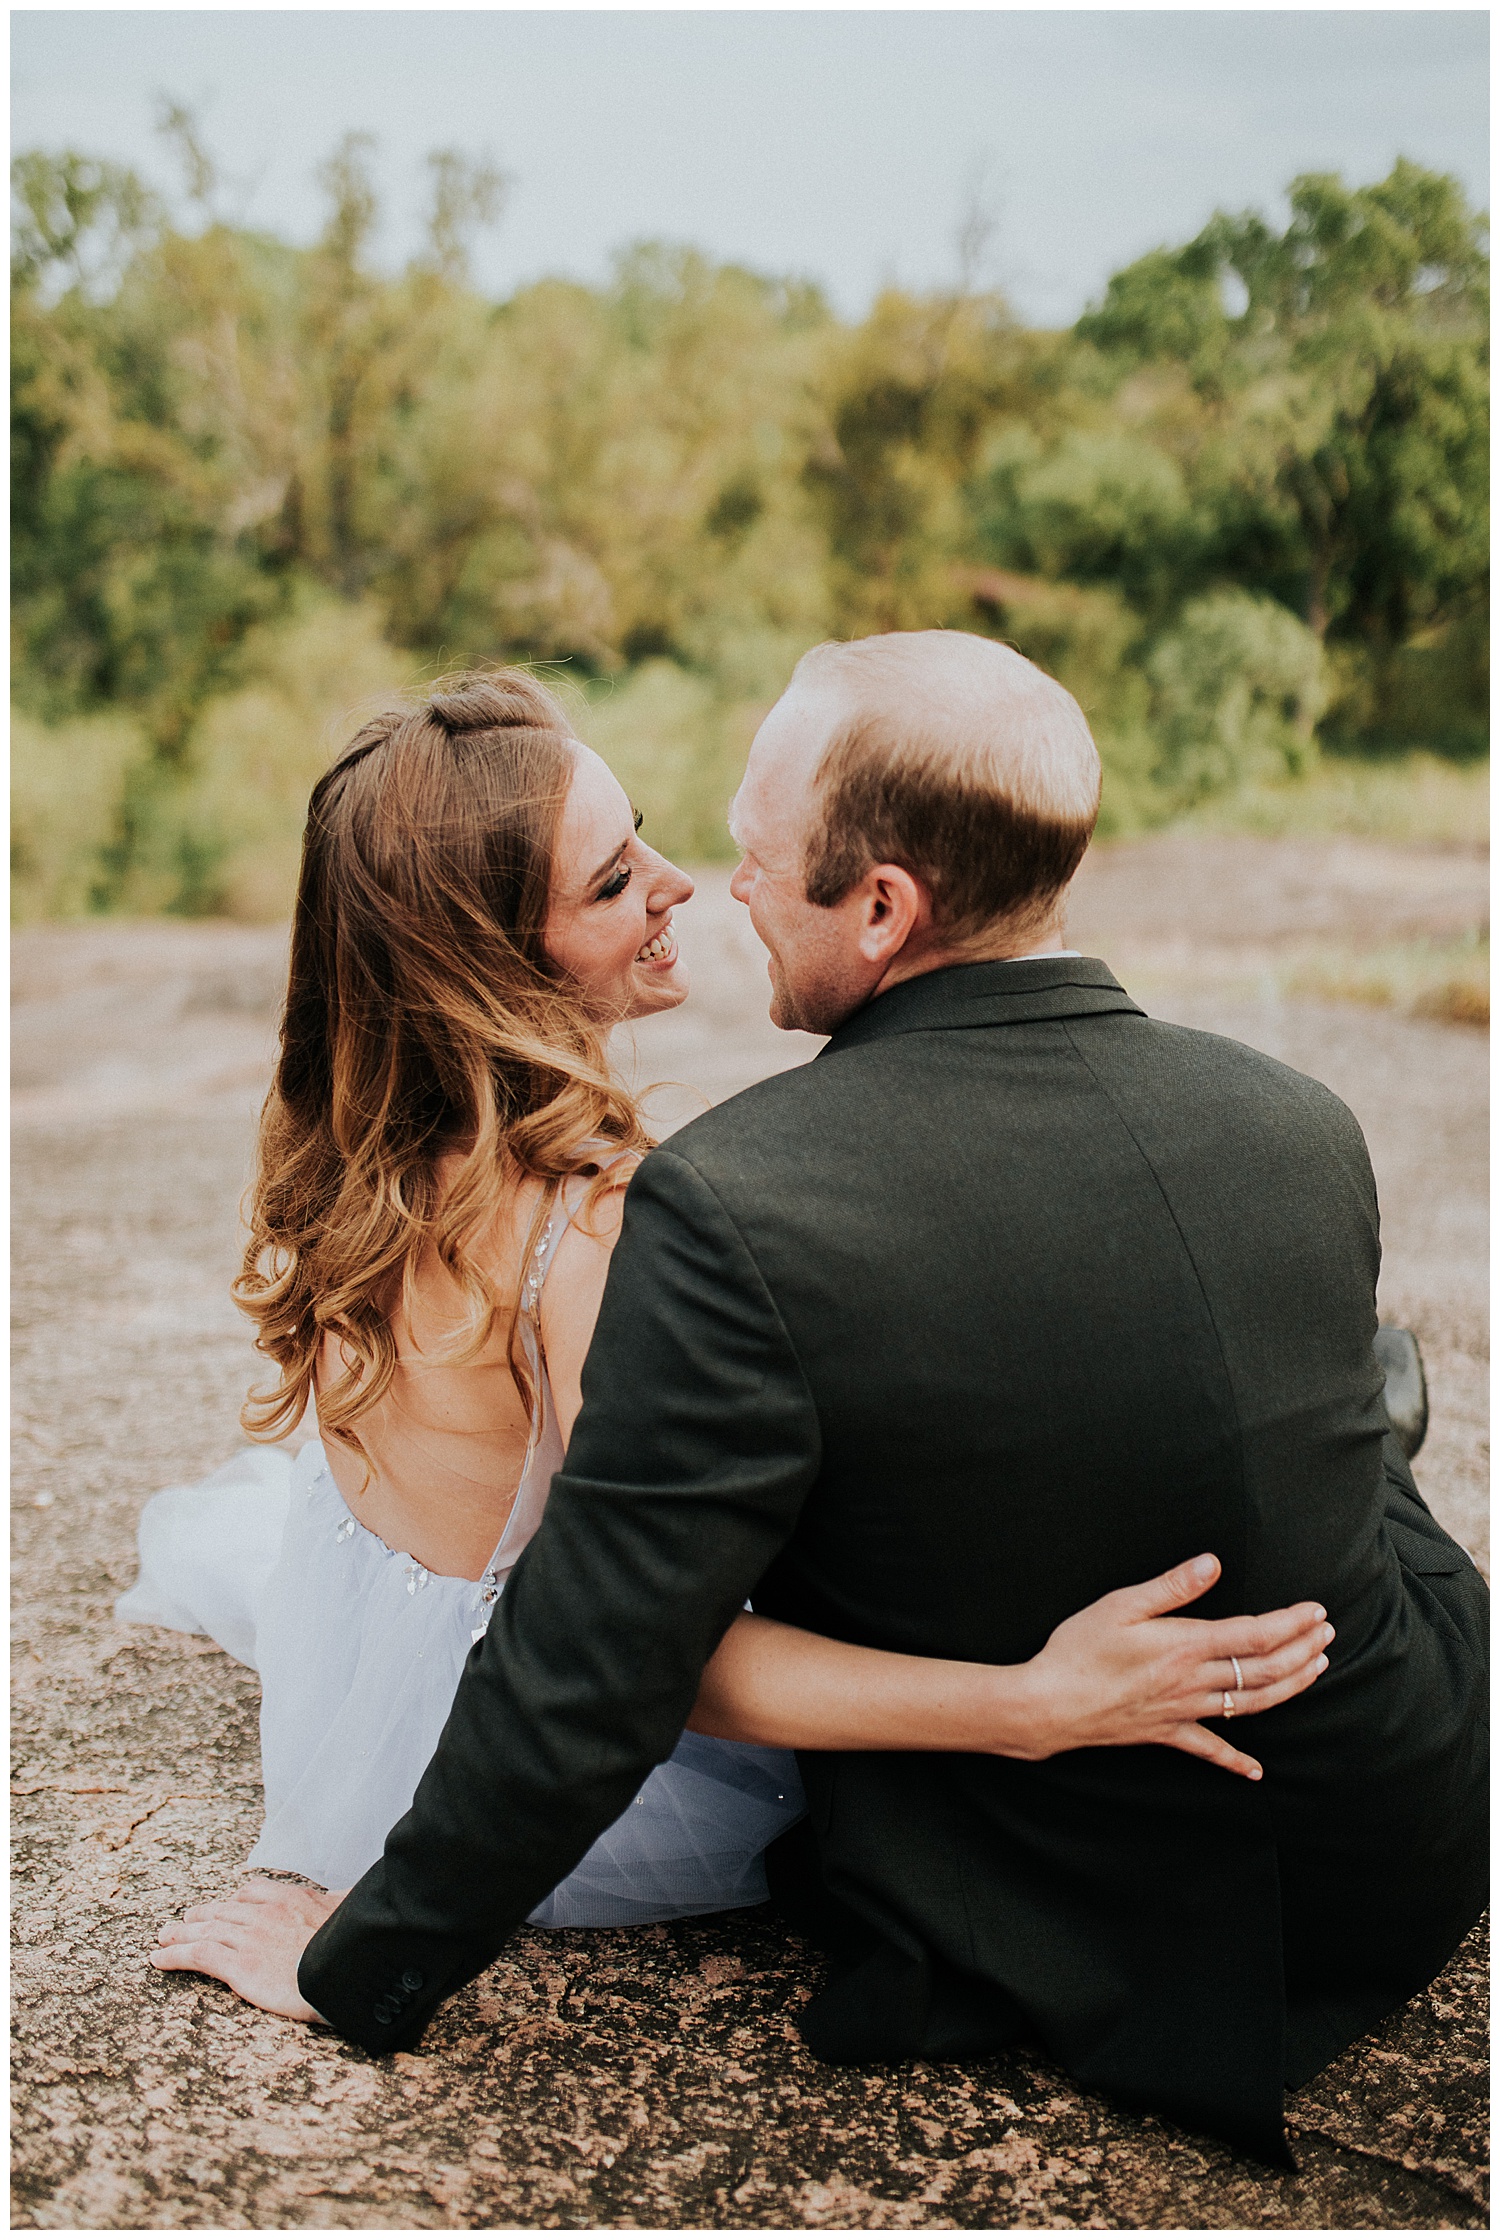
[1262,449]
[1099,506]
[1338,458]
[909,398]
[133,578]
[1237,686]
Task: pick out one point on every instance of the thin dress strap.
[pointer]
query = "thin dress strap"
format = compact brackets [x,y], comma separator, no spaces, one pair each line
[552,1233]
[568,1198]
[544,1449]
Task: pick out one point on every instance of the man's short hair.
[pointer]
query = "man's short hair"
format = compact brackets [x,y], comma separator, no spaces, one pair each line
[959,760]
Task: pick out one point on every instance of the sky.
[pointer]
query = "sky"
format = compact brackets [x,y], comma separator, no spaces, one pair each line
[843,147]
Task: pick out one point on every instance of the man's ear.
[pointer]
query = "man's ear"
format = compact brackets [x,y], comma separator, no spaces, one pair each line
[893,906]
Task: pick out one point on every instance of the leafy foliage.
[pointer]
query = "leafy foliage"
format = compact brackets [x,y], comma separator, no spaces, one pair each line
[1237,685]
[1333,430]
[1240,507]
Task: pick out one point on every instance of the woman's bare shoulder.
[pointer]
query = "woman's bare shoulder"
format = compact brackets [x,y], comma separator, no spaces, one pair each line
[575,1279]
[594,1229]
[431,1300]
[578,1264]
[575,1286]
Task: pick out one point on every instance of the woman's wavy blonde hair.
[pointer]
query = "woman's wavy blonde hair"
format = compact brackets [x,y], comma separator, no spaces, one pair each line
[422,1015]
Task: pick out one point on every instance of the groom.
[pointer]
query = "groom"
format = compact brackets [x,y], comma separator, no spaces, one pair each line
[1011,1297]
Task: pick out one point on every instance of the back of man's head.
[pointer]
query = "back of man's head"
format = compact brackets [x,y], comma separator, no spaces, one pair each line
[957,759]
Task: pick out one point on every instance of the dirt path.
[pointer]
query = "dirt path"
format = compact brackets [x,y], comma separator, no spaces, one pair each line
[621,2078]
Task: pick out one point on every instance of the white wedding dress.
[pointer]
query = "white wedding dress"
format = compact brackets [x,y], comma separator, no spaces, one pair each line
[359,1651]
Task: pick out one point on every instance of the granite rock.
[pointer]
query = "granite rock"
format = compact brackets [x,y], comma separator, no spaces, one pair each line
[640,2078]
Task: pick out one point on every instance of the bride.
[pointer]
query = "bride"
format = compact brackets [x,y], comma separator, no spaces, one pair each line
[442,1162]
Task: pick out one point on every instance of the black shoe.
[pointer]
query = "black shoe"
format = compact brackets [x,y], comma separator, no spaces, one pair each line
[1400,1356]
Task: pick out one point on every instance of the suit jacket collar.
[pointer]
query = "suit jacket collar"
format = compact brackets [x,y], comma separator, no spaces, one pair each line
[987,995]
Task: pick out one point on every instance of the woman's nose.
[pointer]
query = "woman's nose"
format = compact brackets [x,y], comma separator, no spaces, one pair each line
[670,887]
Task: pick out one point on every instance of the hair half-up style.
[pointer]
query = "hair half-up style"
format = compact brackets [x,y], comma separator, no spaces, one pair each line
[422,1016]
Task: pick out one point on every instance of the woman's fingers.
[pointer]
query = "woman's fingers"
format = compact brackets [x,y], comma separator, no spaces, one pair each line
[1292,1674]
[1259,1636]
[1247,1701]
[1201,1742]
[1154,1598]
[1261,1672]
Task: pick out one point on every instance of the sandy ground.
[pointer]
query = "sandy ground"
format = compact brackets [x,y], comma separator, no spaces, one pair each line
[618,2078]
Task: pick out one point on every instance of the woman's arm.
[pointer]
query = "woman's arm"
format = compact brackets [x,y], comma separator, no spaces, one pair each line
[1122,1671]
[571,1296]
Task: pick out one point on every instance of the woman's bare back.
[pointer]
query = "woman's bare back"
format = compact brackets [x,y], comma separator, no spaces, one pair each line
[444,1448]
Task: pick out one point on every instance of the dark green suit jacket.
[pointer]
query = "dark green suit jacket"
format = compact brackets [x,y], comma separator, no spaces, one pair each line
[1011,1297]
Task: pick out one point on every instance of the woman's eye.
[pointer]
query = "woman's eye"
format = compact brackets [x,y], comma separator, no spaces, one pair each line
[616,885]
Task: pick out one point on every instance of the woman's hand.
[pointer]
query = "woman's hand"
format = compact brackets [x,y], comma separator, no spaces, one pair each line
[252,1941]
[1125,1671]
[1122,1671]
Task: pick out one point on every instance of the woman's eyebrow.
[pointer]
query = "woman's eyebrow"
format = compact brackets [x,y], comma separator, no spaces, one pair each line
[609,861]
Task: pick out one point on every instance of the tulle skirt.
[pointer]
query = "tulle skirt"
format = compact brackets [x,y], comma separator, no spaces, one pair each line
[359,1651]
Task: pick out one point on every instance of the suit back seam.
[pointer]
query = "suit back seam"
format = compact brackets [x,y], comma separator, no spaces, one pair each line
[1192,1261]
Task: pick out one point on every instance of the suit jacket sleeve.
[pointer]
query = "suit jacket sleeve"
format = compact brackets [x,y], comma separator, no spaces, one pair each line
[689,1462]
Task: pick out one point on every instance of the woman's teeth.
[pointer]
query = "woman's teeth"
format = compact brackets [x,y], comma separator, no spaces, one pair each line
[657,951]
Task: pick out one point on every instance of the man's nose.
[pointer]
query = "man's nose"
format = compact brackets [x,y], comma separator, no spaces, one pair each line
[739,885]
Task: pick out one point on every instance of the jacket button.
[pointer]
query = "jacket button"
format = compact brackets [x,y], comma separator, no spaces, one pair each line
[386,2010]
[412,1980]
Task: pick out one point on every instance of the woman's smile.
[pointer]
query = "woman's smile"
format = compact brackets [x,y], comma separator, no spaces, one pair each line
[661,949]
[610,922]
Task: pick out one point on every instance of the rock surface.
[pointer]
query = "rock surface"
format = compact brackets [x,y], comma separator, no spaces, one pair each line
[643,2078]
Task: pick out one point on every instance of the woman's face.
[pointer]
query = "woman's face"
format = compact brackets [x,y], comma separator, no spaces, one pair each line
[609,919]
